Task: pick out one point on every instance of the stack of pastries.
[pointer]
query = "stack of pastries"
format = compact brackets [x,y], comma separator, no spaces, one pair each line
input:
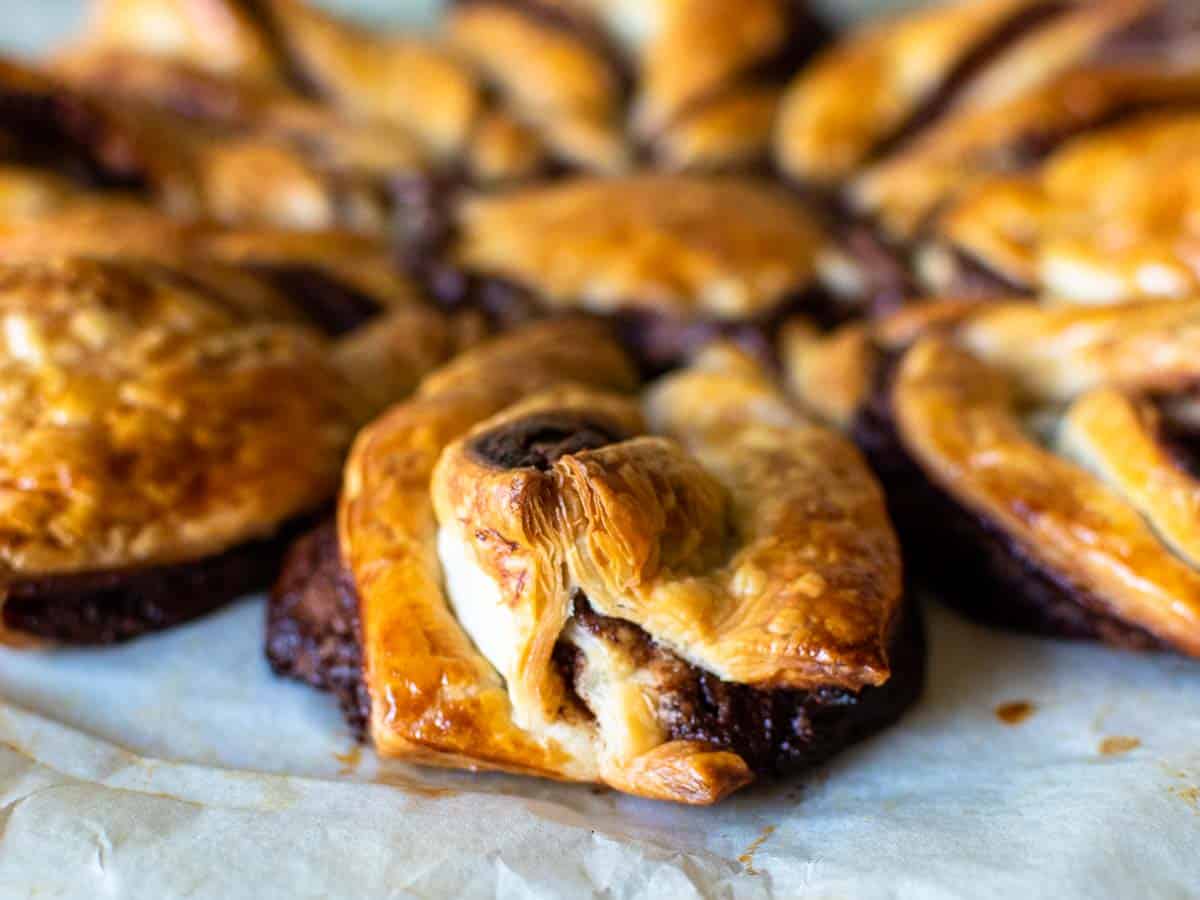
[597,381]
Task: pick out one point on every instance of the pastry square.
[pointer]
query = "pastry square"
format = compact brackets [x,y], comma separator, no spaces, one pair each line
[538,570]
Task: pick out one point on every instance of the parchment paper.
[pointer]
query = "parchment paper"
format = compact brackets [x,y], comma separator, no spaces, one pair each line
[179,766]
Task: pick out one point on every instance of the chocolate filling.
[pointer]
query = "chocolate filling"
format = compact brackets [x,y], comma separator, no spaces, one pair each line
[58,130]
[887,282]
[973,63]
[1170,29]
[658,343]
[774,730]
[1181,439]
[970,560]
[313,635]
[540,440]
[108,607]
[313,630]
[334,306]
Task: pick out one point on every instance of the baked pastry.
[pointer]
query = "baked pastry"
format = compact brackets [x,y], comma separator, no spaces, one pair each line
[676,260]
[1040,462]
[163,440]
[901,120]
[688,83]
[511,88]
[1109,217]
[286,61]
[534,571]
[296,174]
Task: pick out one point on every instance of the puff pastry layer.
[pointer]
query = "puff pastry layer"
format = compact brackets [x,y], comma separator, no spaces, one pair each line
[548,576]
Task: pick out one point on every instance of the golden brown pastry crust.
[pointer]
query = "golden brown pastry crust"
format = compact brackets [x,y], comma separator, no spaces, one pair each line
[213,34]
[702,533]
[231,261]
[681,246]
[300,171]
[551,78]
[862,89]
[145,423]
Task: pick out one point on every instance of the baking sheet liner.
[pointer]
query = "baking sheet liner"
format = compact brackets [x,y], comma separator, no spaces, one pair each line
[180,766]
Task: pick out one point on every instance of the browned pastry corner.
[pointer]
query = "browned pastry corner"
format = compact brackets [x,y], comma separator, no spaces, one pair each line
[162,440]
[903,124]
[536,570]
[692,84]
[1040,462]
[676,260]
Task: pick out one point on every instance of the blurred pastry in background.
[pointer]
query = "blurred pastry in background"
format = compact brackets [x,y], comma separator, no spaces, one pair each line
[928,133]
[1040,462]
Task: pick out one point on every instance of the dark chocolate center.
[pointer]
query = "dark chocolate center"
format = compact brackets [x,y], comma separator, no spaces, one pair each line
[334,306]
[1181,439]
[540,440]
[1169,29]
[773,730]
[66,134]
[107,607]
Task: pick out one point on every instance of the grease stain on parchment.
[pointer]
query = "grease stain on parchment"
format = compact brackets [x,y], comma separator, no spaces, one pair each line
[1118,744]
[747,858]
[350,760]
[1015,711]
[413,787]
[1189,795]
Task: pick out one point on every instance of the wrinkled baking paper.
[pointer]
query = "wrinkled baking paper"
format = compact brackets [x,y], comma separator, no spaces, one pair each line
[179,766]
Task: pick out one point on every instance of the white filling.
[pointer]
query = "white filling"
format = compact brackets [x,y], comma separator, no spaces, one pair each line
[477,604]
[614,691]
[493,627]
